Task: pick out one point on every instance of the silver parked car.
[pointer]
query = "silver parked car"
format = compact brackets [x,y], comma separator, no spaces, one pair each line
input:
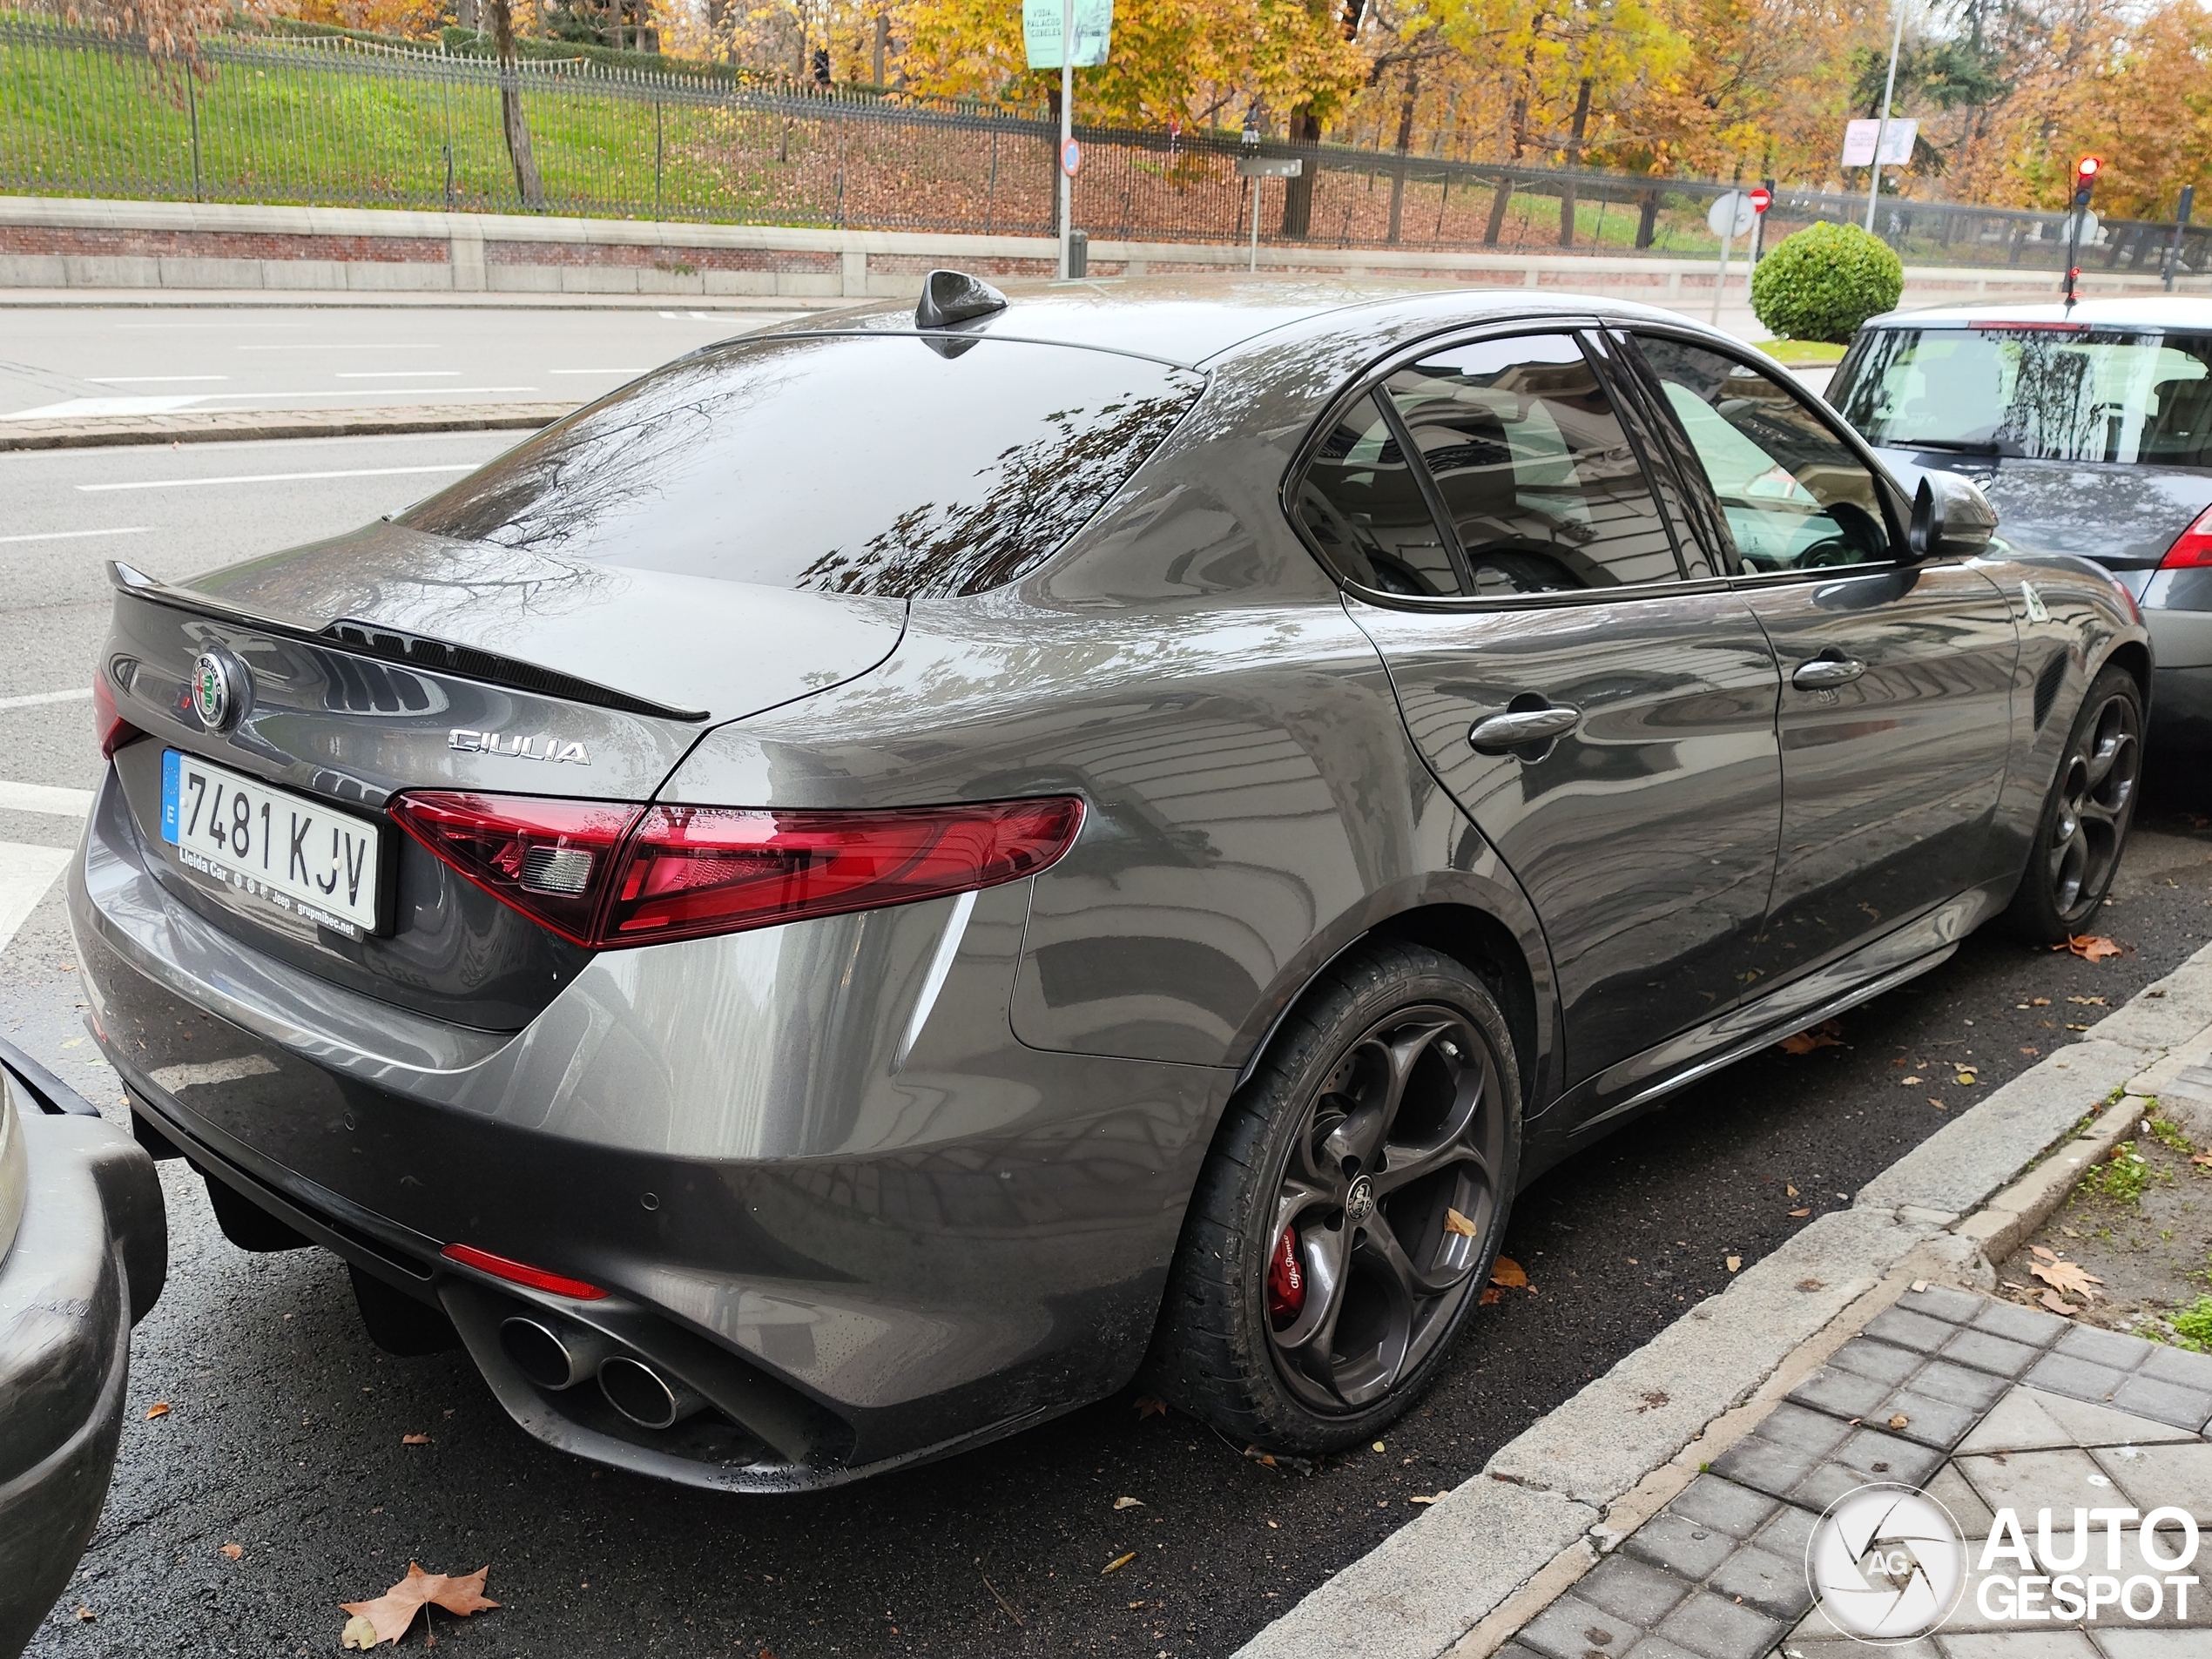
[906,868]
[2091,428]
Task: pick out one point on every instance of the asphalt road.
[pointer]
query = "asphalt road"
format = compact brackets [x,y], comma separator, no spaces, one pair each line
[284,1432]
[148,359]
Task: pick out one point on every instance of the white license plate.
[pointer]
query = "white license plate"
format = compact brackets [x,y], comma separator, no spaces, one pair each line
[294,853]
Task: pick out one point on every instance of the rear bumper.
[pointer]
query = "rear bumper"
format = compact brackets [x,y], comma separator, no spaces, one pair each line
[2181,711]
[821,1182]
[86,1263]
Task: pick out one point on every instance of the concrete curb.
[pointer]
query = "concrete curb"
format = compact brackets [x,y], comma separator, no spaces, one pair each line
[402,299]
[1621,1449]
[234,425]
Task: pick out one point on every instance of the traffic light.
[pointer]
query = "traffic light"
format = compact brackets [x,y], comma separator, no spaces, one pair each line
[2084,177]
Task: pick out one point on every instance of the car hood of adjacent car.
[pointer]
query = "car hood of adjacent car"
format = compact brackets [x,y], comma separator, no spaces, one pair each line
[2120,515]
[715,647]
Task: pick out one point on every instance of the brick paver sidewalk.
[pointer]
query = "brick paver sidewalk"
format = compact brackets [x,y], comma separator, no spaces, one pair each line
[1995,1406]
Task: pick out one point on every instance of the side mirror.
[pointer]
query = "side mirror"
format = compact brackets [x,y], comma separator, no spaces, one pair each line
[1952,519]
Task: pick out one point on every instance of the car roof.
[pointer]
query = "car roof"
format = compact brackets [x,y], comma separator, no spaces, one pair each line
[1189,321]
[2154,311]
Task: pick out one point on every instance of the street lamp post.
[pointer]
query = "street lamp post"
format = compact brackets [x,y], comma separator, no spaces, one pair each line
[1882,131]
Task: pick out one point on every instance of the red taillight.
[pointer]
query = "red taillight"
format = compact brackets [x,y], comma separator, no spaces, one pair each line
[113,730]
[2192,548]
[549,858]
[516,1273]
[609,875]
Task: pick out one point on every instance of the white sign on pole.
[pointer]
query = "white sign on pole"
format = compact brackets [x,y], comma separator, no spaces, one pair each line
[1897,143]
[1041,25]
[1732,215]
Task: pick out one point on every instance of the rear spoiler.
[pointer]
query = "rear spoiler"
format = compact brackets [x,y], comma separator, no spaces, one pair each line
[390,646]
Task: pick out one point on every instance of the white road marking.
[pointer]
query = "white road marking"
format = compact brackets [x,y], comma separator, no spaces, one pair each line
[25,873]
[276,477]
[45,798]
[72,536]
[32,700]
[397,374]
[150,379]
[194,1073]
[82,405]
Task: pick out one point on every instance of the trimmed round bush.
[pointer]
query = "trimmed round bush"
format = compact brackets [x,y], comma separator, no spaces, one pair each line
[1824,281]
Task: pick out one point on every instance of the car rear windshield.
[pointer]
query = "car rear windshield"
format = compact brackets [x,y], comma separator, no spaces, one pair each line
[886,464]
[2047,392]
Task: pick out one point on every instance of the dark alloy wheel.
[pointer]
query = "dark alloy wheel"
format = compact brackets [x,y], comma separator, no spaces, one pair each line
[1352,1208]
[2084,825]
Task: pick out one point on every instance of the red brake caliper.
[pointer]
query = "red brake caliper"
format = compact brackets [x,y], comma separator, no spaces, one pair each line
[1285,1279]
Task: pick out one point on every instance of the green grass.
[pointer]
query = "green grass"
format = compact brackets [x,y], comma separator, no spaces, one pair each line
[2122,1178]
[1802,353]
[2193,1325]
[2170,1134]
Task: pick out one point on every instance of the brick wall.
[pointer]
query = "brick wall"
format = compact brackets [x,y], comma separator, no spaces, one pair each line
[96,242]
[662,259]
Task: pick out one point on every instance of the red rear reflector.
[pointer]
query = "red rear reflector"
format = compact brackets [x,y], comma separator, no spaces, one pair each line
[113,730]
[521,1273]
[2192,548]
[609,875]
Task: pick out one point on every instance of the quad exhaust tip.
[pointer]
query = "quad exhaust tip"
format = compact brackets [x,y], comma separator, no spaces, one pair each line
[553,1356]
[645,1396]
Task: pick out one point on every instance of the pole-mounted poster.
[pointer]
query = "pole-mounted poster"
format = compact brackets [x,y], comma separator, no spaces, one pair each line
[1041,25]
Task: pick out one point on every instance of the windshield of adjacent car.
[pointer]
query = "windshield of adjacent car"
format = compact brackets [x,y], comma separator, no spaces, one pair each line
[2042,392]
[886,464]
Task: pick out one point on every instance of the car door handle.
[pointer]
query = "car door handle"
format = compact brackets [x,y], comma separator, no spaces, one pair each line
[1500,734]
[1830,669]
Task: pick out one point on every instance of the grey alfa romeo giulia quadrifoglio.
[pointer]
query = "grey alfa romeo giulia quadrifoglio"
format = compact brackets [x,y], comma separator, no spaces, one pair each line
[904,870]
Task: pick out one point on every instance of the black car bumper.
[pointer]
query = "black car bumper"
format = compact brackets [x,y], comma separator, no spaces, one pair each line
[87,1262]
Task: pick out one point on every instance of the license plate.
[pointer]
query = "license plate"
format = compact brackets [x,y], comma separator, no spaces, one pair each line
[284,849]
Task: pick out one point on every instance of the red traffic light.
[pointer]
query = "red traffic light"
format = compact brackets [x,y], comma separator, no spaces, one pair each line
[1762,199]
[2086,169]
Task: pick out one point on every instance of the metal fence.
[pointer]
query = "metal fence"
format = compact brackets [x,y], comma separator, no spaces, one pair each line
[333,122]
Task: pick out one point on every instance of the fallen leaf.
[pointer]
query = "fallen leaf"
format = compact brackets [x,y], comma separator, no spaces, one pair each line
[2091,947]
[1508,1272]
[2031,1051]
[1118,1564]
[2040,1001]
[1151,1405]
[2088,1001]
[1812,1284]
[1437,1497]
[1899,1419]
[1799,1215]
[1735,1262]
[2052,1301]
[1909,1082]
[1788,1191]
[1966,1079]
[1826,1034]
[1456,1223]
[1490,1294]
[415,1439]
[159,1408]
[235,1551]
[2047,1254]
[2204,1159]
[2067,1277]
[1129,1503]
[85,1614]
[1937,1104]
[390,1614]
[2071,1026]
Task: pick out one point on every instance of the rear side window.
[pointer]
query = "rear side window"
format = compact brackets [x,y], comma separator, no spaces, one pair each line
[1543,487]
[1362,504]
[871,464]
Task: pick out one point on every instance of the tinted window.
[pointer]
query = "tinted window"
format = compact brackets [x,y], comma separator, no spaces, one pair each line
[853,464]
[2046,394]
[1791,492]
[1540,482]
[1363,505]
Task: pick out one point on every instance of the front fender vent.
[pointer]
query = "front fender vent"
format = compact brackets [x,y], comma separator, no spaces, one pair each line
[2047,687]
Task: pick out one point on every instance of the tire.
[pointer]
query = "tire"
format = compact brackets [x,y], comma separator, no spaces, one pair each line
[1390,1100]
[2083,826]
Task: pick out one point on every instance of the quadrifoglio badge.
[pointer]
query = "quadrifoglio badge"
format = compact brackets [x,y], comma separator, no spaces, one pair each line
[1887,1564]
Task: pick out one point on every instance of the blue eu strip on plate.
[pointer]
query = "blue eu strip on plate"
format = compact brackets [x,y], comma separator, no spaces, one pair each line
[172,764]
